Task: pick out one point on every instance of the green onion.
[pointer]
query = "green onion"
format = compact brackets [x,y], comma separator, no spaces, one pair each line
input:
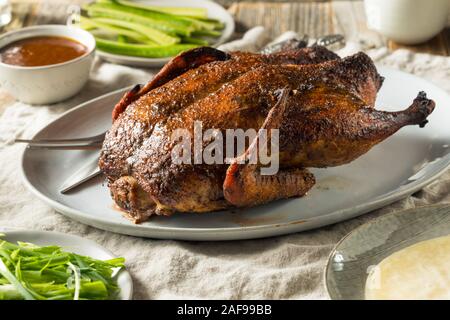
[9,292]
[76,274]
[31,272]
[4,271]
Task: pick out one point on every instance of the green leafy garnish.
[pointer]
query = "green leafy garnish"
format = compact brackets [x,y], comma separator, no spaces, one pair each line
[30,272]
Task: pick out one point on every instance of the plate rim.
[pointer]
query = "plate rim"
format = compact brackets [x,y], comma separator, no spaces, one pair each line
[241,232]
[133,60]
[124,271]
[365,224]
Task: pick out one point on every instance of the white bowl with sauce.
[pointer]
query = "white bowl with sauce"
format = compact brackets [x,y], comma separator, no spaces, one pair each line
[51,83]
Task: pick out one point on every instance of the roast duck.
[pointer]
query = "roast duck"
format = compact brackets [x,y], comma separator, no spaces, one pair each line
[322,105]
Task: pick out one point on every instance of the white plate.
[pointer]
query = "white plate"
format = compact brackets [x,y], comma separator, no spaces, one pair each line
[74,244]
[215,11]
[392,170]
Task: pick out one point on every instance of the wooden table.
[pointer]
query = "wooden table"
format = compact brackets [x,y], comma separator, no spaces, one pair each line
[311,17]
[325,17]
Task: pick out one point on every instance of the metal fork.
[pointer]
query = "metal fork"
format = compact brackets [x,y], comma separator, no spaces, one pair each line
[86,143]
[330,39]
[326,41]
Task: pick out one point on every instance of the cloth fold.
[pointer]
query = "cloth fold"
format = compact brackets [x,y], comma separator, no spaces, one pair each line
[289,267]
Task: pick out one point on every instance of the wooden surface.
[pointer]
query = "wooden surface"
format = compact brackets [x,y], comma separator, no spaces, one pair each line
[311,17]
[325,17]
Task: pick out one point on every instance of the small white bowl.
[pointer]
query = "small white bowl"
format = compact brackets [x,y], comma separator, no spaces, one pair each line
[407,21]
[51,83]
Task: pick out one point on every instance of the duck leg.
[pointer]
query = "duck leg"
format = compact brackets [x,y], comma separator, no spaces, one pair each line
[343,130]
[325,137]
[245,185]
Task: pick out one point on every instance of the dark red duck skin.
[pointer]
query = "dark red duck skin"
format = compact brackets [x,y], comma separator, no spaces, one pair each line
[322,105]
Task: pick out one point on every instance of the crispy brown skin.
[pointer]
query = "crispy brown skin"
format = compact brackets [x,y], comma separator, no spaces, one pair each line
[136,124]
[322,105]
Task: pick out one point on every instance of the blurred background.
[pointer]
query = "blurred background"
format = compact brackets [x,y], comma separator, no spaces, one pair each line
[311,17]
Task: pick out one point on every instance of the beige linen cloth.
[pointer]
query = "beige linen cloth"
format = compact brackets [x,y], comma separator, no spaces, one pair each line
[285,267]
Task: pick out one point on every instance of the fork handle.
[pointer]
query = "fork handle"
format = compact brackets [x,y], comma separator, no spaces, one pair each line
[93,146]
[54,141]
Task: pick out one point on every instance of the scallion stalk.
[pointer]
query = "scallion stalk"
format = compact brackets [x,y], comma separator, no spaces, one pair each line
[4,271]
[31,272]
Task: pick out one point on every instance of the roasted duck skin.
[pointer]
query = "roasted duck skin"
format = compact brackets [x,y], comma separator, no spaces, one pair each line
[191,86]
[322,105]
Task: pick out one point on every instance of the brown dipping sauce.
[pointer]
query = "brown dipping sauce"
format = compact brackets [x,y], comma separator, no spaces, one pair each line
[41,51]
